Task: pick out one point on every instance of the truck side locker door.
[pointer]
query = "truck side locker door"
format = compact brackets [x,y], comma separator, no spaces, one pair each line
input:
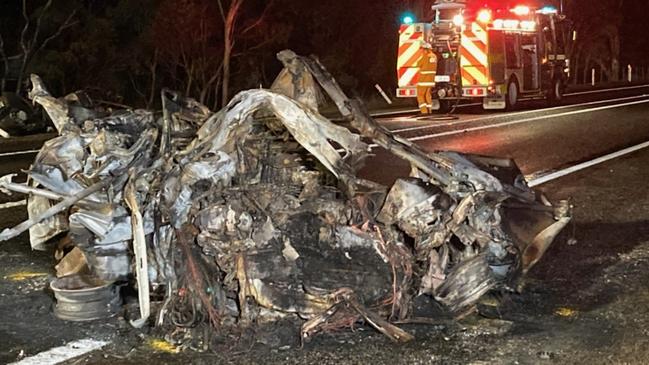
[529,53]
[497,57]
[512,51]
[546,68]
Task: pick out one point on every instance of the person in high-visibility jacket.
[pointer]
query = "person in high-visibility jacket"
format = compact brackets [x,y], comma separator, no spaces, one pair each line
[427,71]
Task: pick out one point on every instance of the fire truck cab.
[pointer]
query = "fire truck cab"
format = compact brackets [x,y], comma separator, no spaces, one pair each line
[498,55]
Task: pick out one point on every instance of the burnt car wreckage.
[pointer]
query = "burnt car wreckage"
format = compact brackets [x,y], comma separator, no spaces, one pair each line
[255,213]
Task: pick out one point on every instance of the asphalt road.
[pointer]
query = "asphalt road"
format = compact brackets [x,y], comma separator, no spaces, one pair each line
[538,139]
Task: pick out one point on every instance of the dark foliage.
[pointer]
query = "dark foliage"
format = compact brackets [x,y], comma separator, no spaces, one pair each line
[130,49]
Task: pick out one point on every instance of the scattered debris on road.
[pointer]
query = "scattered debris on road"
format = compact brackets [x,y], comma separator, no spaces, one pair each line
[256,213]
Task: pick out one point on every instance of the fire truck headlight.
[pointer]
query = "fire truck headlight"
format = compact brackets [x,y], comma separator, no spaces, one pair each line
[458,20]
[521,10]
[441,93]
[484,16]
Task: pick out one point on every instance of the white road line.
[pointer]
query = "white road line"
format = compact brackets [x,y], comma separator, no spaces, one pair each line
[570,170]
[388,113]
[393,112]
[4,133]
[18,153]
[605,90]
[487,117]
[63,353]
[406,111]
[506,124]
[13,204]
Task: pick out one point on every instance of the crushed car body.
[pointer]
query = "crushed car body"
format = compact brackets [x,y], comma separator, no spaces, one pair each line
[257,213]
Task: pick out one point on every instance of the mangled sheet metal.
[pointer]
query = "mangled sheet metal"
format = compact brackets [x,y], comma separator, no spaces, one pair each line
[256,213]
[18,118]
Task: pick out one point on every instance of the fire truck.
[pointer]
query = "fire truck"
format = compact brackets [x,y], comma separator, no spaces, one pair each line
[490,54]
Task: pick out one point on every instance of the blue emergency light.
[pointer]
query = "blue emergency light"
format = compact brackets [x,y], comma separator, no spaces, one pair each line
[408,19]
[546,10]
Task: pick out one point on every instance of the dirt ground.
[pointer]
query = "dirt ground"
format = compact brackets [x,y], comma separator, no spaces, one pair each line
[586,302]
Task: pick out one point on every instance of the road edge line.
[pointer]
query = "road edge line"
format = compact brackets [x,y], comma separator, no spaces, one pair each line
[584,165]
[404,111]
[610,89]
[5,154]
[60,354]
[513,114]
[521,121]
[407,111]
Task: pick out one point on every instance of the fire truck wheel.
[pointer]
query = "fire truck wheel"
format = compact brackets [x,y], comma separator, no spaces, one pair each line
[556,94]
[512,94]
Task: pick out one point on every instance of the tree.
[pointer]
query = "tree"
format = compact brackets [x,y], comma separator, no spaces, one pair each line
[195,41]
[138,58]
[229,23]
[186,40]
[598,36]
[30,41]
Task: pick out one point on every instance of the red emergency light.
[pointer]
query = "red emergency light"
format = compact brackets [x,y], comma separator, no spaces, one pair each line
[484,16]
[490,13]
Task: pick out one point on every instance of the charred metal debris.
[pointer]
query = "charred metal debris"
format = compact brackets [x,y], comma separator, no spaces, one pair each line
[256,213]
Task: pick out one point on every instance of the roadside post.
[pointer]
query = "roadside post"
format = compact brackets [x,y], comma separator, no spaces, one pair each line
[592,77]
[630,73]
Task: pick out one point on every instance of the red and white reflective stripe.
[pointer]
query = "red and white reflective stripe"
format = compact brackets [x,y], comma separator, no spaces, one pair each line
[473,55]
[410,53]
[408,76]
